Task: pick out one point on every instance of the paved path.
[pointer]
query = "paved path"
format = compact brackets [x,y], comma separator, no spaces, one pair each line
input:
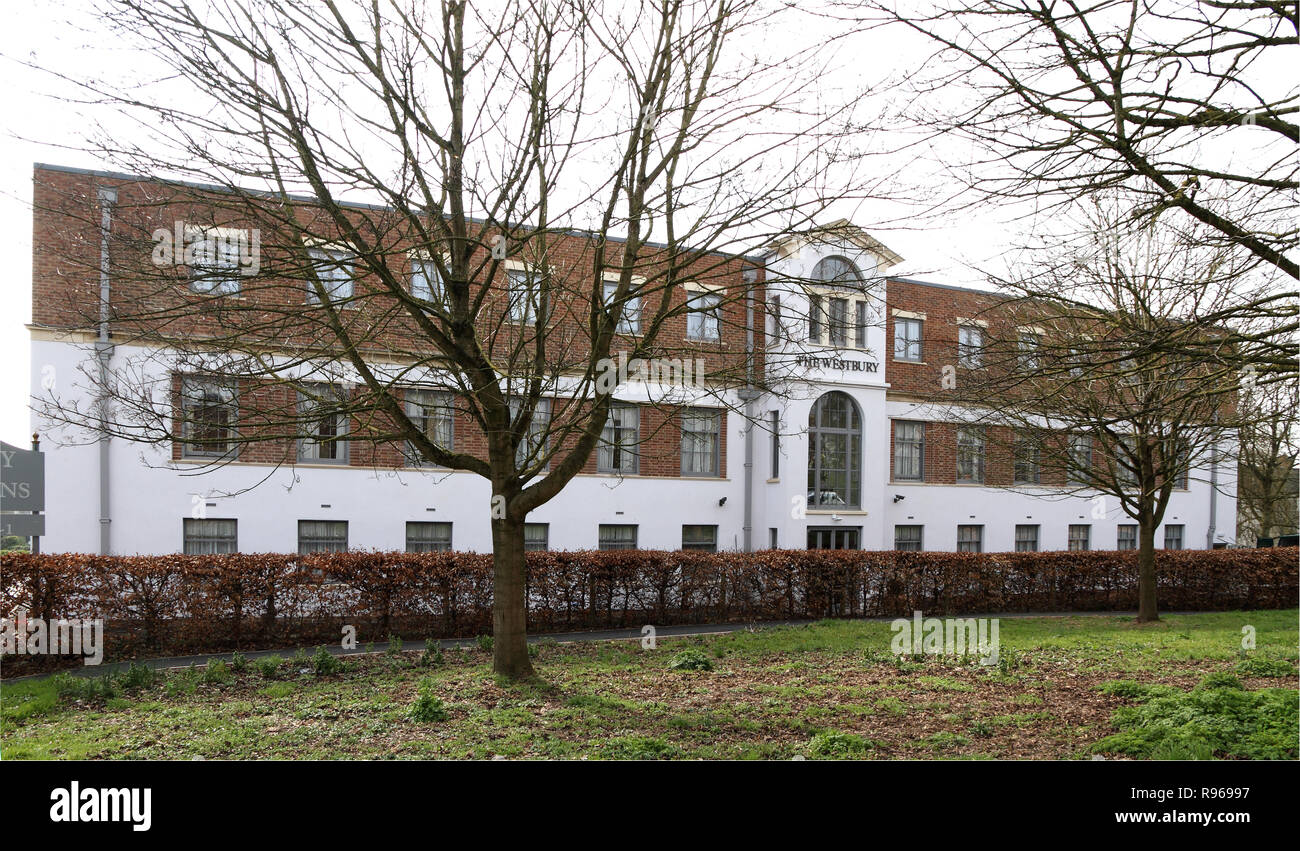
[558,638]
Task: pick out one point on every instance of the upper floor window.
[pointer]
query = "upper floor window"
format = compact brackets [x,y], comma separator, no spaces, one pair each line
[208,415]
[837,270]
[838,321]
[909,451]
[1080,460]
[431,412]
[704,319]
[1031,344]
[533,448]
[701,436]
[1026,461]
[619,448]
[835,452]
[217,258]
[426,283]
[970,454]
[907,339]
[629,322]
[970,346]
[334,269]
[323,418]
[524,295]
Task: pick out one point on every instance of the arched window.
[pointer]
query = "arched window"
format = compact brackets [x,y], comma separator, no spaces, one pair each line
[837,270]
[835,452]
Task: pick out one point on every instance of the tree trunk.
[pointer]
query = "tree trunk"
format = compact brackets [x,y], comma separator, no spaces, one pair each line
[1147,572]
[509,606]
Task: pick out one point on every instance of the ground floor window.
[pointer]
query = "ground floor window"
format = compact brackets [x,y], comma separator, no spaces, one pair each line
[210,536]
[1174,536]
[422,537]
[773,539]
[908,538]
[617,537]
[1079,536]
[1126,536]
[1026,538]
[970,539]
[537,537]
[322,536]
[834,538]
[703,538]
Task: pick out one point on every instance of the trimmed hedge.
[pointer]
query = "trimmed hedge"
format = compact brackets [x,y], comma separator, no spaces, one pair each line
[178,604]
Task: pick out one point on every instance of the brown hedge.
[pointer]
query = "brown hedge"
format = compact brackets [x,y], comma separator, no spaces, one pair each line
[178,604]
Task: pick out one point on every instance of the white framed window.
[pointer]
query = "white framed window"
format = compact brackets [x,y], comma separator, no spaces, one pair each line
[629,322]
[838,321]
[698,537]
[619,447]
[426,283]
[537,537]
[209,412]
[970,539]
[704,319]
[210,536]
[1126,536]
[701,440]
[815,318]
[909,451]
[433,413]
[1080,536]
[616,536]
[862,319]
[907,339]
[970,454]
[217,258]
[536,442]
[1027,538]
[1080,459]
[1173,536]
[524,295]
[774,428]
[323,421]
[1027,469]
[322,536]
[970,346]
[334,268]
[908,538]
[427,537]
[1031,344]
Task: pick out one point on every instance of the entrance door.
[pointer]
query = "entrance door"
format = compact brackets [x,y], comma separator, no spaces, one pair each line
[834,537]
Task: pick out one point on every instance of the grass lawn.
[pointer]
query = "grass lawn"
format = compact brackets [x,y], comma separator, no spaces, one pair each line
[1063,688]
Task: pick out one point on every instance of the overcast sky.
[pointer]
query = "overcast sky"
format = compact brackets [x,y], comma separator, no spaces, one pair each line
[39,129]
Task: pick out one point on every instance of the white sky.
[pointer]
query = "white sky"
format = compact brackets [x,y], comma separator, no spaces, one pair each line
[38,129]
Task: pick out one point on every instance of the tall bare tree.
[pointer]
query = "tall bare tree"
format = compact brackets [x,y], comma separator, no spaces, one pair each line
[1114,371]
[461,213]
[1184,104]
[1267,491]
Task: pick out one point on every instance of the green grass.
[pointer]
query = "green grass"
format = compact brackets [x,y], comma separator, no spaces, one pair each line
[1068,688]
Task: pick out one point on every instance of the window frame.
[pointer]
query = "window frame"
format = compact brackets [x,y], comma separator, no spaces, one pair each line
[920,538]
[978,459]
[187,538]
[430,544]
[1123,543]
[1181,537]
[612,445]
[316,541]
[854,438]
[444,401]
[970,355]
[707,546]
[530,546]
[343,456]
[1071,538]
[1035,541]
[604,543]
[712,312]
[964,546]
[908,342]
[714,415]
[343,261]
[919,444]
[189,447]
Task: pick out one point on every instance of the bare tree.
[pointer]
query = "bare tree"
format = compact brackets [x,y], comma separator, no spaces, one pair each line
[1267,491]
[1113,371]
[466,216]
[1184,104]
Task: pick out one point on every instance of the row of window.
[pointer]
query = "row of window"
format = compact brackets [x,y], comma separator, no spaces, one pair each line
[211,413]
[217,272]
[210,536]
[970,537]
[972,445]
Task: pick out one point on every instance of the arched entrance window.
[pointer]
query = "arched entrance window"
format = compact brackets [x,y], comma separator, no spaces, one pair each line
[837,270]
[835,452]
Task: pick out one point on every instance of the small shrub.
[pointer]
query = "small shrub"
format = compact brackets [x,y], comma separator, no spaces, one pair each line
[876,657]
[690,659]
[325,663]
[432,655]
[640,747]
[1256,666]
[485,643]
[1218,680]
[238,663]
[428,707]
[394,645]
[137,677]
[300,658]
[182,683]
[269,667]
[216,673]
[838,746]
[981,729]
